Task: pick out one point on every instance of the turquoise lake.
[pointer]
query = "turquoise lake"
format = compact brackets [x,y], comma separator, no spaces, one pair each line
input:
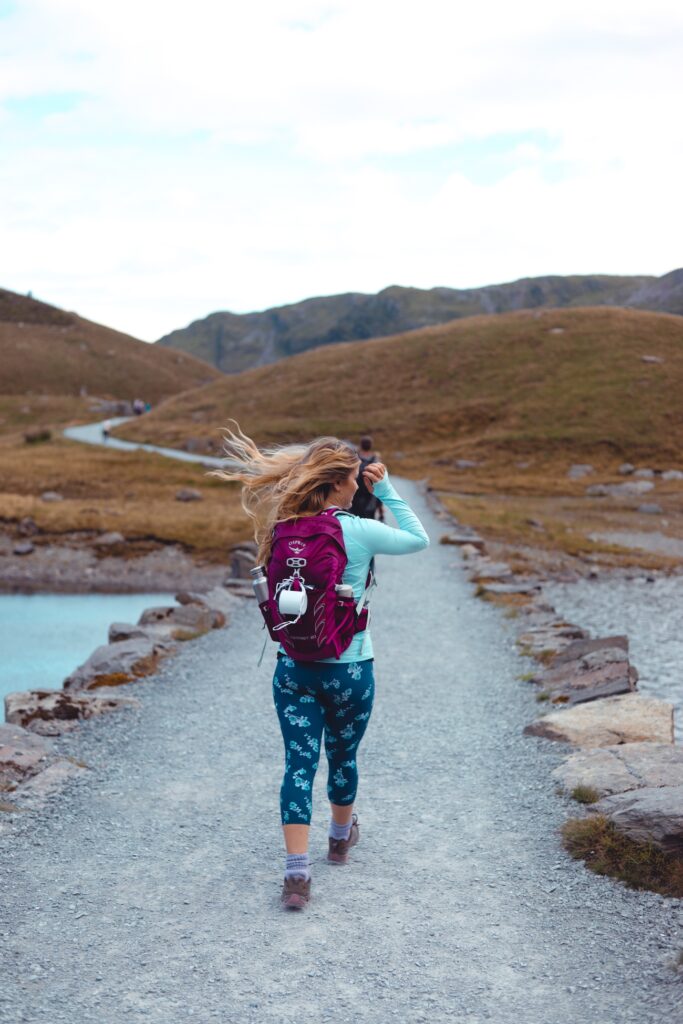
[44,637]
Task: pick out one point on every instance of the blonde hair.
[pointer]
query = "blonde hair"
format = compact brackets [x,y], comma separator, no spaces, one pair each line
[283,482]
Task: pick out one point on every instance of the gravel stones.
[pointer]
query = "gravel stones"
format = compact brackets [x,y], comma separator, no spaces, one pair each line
[459,903]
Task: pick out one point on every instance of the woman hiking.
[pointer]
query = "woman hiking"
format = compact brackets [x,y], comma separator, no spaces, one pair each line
[284,488]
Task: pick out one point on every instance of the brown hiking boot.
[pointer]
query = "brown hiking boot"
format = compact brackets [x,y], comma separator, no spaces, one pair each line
[338,852]
[296,893]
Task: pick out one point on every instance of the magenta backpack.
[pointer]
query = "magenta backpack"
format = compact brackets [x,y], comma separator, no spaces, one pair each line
[304,611]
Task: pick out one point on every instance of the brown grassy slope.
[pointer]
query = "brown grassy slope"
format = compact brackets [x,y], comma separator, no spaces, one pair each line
[132,492]
[570,383]
[44,350]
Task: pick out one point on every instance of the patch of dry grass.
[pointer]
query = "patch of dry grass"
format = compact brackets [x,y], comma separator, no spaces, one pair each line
[24,412]
[606,851]
[129,492]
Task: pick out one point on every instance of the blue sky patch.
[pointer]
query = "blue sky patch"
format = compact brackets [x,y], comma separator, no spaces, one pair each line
[35,108]
[484,161]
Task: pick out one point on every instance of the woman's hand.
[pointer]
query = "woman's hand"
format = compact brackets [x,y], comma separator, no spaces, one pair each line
[373,474]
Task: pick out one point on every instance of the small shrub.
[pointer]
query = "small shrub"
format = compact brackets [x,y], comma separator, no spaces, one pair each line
[542,696]
[585,794]
[606,851]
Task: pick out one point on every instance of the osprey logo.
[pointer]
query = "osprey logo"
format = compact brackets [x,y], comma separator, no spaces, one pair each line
[297,546]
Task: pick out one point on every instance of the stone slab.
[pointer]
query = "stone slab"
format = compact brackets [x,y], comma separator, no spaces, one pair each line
[629,718]
[647,815]
[622,768]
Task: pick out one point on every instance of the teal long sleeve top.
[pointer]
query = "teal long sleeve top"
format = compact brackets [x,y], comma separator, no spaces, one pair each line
[365,538]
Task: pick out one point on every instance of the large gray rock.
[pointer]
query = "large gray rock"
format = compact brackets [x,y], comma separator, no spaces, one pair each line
[119,631]
[550,638]
[463,538]
[518,587]
[625,490]
[580,648]
[242,559]
[672,474]
[647,815]
[630,718]
[109,540]
[580,469]
[52,712]
[195,618]
[622,768]
[487,569]
[113,664]
[22,754]
[576,684]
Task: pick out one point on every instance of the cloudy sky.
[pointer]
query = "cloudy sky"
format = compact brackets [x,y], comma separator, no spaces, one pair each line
[162,160]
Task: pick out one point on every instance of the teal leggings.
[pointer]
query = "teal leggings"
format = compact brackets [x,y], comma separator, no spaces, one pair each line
[312,698]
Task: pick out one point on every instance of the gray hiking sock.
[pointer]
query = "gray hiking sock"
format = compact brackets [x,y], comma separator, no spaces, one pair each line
[339,831]
[297,864]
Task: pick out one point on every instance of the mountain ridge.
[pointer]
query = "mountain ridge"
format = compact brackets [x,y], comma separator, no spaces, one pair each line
[234,342]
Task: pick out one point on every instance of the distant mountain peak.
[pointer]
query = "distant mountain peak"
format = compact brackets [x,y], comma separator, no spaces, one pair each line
[234,342]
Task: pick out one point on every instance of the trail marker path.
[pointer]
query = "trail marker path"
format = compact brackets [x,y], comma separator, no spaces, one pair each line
[148,889]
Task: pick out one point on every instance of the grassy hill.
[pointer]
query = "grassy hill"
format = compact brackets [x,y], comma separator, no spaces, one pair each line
[47,351]
[521,395]
[235,342]
[569,382]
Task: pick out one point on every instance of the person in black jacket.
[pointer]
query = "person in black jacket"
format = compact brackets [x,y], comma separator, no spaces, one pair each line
[365,504]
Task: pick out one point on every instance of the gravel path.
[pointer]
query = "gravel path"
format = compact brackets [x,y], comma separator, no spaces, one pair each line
[148,890]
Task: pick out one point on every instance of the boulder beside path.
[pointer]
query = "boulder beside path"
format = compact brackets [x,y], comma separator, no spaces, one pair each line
[652,815]
[602,723]
[622,768]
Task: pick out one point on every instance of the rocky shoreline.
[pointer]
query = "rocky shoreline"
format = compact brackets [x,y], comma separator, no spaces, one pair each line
[88,562]
[625,756]
[30,765]
[626,767]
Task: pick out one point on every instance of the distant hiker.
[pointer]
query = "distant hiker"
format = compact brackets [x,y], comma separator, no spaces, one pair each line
[106,430]
[365,503]
[317,558]
[138,407]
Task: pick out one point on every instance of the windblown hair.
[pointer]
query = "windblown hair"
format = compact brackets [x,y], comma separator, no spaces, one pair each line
[283,482]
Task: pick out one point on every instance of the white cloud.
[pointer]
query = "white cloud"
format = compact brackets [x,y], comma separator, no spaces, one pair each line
[240,156]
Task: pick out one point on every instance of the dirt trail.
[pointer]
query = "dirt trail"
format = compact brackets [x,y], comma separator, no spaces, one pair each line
[148,890]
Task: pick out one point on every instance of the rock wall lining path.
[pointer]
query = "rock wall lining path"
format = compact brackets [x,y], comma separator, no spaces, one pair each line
[149,889]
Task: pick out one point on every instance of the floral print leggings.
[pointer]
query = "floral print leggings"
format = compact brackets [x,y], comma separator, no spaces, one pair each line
[312,697]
